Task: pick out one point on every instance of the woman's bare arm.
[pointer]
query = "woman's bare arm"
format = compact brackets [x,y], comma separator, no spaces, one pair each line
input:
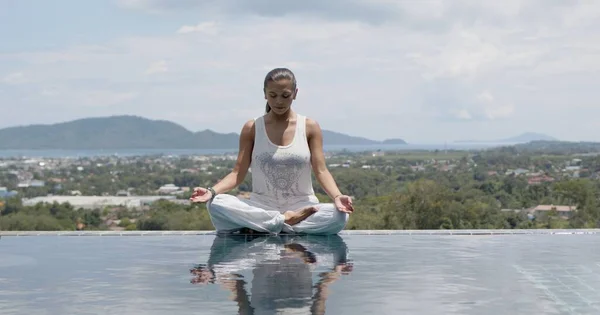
[322,174]
[238,174]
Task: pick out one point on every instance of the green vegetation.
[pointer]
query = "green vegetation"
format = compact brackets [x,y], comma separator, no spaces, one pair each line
[46,217]
[491,189]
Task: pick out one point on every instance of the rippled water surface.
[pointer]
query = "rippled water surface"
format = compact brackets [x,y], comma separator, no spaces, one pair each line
[349,274]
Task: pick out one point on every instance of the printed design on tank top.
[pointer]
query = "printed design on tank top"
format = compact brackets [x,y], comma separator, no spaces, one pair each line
[282,172]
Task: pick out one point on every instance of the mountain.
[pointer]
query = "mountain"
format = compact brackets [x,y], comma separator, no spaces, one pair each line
[528,137]
[522,138]
[336,138]
[394,141]
[132,132]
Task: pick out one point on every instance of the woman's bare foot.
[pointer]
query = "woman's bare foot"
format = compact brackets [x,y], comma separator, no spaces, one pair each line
[295,217]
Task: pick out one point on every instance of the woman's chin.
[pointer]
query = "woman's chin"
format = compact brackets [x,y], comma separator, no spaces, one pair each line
[280,111]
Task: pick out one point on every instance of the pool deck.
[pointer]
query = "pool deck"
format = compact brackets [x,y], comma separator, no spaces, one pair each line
[345,232]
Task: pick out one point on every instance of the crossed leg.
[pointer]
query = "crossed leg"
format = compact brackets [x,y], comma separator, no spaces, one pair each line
[327,220]
[229,214]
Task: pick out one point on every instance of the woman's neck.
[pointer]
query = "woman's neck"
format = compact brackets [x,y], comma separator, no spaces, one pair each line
[289,115]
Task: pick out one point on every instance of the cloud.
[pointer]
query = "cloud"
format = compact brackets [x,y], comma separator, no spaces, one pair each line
[157,67]
[373,11]
[419,70]
[492,109]
[204,27]
[50,91]
[70,97]
[104,98]
[454,101]
[15,78]
[463,114]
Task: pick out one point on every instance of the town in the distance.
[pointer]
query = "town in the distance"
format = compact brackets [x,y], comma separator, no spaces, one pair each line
[534,185]
[540,184]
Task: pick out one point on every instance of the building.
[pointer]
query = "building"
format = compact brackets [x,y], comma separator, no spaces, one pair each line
[536,180]
[31,183]
[5,193]
[517,172]
[123,193]
[565,212]
[168,189]
[98,202]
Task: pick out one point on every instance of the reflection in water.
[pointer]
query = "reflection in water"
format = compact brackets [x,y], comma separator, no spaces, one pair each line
[281,269]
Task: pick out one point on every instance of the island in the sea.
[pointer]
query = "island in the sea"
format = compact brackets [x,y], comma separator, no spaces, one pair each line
[522,138]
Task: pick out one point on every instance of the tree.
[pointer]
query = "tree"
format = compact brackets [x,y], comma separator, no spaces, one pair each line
[11,205]
[419,206]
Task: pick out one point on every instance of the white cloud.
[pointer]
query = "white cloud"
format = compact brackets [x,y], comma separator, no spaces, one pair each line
[15,78]
[50,91]
[373,11]
[481,107]
[493,109]
[209,28]
[69,98]
[463,114]
[500,111]
[485,97]
[157,67]
[104,98]
[421,70]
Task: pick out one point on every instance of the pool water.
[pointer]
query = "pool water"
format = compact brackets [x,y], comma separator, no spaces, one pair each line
[347,274]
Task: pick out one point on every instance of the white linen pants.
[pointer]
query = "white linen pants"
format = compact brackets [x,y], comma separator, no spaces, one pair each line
[229,213]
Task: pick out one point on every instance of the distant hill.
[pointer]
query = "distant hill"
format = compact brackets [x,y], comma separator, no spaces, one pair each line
[336,138]
[522,138]
[528,137]
[394,141]
[553,147]
[132,132]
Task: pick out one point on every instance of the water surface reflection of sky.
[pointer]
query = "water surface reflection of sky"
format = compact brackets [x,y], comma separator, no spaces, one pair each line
[348,274]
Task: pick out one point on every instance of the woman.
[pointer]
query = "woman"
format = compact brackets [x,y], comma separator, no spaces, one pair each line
[281,148]
[275,274]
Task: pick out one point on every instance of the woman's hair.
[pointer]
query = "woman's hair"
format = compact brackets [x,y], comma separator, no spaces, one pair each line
[276,75]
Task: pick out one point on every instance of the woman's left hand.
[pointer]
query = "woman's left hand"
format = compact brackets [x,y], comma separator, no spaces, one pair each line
[344,203]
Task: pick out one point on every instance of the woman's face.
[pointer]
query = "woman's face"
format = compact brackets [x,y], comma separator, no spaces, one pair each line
[280,95]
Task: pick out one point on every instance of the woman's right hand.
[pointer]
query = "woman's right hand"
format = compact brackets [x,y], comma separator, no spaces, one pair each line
[201,195]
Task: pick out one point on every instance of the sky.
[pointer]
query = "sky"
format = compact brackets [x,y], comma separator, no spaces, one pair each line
[424,71]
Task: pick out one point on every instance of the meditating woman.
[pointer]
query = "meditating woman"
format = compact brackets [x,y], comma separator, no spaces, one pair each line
[281,149]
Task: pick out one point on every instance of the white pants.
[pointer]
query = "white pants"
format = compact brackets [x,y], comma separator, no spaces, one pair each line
[229,213]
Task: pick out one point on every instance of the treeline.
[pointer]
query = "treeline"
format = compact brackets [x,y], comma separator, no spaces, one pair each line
[162,215]
[434,204]
[390,194]
[446,202]
[554,147]
[46,217]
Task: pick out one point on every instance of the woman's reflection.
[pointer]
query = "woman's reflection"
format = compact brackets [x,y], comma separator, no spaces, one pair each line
[282,270]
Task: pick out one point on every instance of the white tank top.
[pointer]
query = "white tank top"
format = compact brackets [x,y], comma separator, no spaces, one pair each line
[281,175]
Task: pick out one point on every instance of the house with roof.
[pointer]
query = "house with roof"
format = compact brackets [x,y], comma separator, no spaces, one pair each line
[517,172]
[536,180]
[5,193]
[171,189]
[31,183]
[564,212]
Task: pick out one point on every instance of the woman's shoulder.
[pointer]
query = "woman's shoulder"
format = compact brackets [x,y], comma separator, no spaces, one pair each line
[248,128]
[250,123]
[312,125]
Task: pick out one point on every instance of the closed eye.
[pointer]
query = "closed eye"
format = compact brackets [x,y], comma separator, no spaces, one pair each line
[284,96]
